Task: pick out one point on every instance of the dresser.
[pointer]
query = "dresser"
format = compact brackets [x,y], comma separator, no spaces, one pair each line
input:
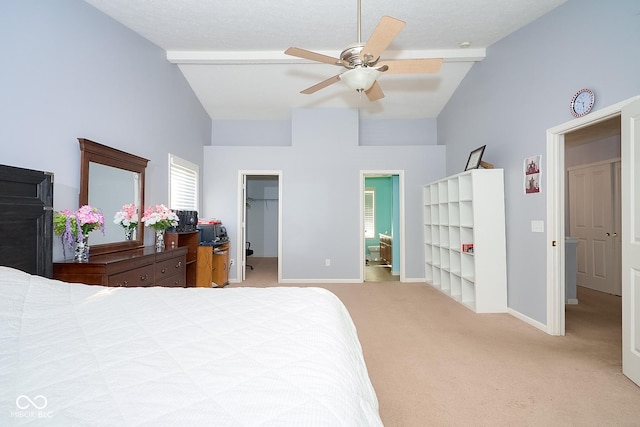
[132,268]
[190,239]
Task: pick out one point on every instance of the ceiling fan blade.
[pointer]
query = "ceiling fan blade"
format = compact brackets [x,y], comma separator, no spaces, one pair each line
[411,66]
[321,85]
[374,92]
[387,30]
[313,56]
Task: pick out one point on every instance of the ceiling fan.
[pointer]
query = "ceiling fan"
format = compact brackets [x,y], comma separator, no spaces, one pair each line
[362,60]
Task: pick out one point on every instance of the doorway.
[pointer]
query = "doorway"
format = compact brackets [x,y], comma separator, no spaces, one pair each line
[593,207]
[592,161]
[556,210]
[260,222]
[382,226]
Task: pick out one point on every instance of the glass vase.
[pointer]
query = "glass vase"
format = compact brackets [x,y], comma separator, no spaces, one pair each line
[159,240]
[81,252]
[128,233]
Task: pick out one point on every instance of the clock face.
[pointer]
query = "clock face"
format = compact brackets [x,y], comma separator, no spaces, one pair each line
[582,102]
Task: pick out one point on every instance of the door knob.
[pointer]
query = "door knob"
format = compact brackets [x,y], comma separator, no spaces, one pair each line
[608,234]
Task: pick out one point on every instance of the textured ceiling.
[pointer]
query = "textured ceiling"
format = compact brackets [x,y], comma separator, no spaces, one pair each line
[231,52]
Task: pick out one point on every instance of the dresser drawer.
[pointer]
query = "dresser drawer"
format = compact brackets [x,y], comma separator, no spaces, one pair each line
[174,281]
[142,276]
[169,268]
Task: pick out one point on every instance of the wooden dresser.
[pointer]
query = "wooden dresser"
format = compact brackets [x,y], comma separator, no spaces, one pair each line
[189,239]
[132,268]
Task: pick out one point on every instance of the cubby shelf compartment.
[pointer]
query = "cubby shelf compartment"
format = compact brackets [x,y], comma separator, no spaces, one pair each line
[459,211]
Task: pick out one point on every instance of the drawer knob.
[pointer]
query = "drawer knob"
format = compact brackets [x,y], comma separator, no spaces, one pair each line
[143,278]
[125,283]
[164,270]
[179,264]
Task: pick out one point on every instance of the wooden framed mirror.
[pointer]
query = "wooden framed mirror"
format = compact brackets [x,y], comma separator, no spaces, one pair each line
[109,179]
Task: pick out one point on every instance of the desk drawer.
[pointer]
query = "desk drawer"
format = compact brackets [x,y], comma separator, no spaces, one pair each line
[142,276]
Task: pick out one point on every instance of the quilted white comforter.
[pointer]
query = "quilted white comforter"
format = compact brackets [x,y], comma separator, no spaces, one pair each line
[74,354]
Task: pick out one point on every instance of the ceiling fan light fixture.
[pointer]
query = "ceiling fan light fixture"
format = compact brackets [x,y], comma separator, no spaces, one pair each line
[360,78]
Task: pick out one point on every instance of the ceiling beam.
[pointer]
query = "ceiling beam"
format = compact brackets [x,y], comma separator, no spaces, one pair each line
[276,57]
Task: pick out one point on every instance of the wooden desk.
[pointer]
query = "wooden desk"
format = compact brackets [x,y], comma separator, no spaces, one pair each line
[132,268]
[213,266]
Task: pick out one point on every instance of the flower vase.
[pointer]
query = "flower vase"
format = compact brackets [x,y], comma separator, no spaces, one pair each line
[159,240]
[128,233]
[81,253]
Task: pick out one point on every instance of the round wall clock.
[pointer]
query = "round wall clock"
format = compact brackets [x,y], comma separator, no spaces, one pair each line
[582,102]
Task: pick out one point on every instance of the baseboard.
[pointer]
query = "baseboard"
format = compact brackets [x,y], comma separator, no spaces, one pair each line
[528,320]
[312,281]
[572,301]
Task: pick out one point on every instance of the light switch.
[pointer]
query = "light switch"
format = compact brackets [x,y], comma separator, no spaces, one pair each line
[537,226]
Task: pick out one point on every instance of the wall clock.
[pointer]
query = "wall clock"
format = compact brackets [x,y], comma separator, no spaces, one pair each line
[582,102]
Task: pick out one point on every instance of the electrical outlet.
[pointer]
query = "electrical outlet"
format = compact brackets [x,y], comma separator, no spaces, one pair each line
[327,262]
[231,262]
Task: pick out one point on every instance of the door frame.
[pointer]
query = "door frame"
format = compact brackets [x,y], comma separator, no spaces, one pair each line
[241,254]
[401,222]
[556,211]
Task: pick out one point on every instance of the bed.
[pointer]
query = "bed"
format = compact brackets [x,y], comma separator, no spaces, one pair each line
[75,354]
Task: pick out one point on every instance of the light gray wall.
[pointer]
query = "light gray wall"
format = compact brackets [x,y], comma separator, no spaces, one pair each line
[321,190]
[70,71]
[523,88]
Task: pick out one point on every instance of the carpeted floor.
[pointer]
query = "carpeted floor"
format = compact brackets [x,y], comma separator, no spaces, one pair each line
[434,362]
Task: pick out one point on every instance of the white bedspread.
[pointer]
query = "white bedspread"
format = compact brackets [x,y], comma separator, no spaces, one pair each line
[74,354]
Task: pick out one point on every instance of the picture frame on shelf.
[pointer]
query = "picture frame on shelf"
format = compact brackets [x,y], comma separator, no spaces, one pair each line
[475,158]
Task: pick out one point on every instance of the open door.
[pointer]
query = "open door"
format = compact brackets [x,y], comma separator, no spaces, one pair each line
[243,226]
[631,240]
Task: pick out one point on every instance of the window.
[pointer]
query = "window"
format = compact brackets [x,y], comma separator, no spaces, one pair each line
[369,213]
[183,184]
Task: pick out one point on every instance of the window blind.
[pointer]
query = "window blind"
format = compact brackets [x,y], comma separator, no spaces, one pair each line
[369,213]
[183,184]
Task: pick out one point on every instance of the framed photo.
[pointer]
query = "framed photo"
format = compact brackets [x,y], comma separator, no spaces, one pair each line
[475,158]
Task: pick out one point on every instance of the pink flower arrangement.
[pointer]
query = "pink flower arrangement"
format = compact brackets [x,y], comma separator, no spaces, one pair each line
[160,219]
[127,217]
[72,225]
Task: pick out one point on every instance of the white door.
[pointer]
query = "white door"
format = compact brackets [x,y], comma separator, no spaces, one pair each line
[617,228]
[631,241]
[591,215]
[243,226]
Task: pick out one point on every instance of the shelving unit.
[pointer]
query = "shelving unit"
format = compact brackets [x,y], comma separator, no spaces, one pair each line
[190,239]
[460,212]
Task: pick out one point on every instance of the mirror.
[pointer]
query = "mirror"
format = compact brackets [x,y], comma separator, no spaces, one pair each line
[109,179]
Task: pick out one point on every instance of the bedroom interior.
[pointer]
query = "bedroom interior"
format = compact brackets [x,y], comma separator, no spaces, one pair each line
[424,352]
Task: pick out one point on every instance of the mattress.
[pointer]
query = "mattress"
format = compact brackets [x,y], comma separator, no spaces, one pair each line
[73,354]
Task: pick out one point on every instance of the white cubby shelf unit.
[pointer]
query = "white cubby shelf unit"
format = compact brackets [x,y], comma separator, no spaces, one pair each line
[460,212]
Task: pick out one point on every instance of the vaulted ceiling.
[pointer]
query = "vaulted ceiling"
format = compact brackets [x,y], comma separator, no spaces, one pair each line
[232,52]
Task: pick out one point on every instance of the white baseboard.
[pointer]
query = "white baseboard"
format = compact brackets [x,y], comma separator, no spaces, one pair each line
[528,320]
[312,281]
